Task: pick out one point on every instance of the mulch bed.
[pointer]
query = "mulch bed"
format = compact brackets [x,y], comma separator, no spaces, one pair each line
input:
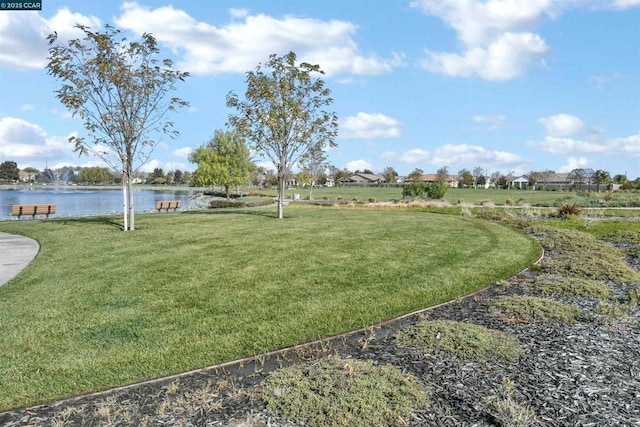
[587,374]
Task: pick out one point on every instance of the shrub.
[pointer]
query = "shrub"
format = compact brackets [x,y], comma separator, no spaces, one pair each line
[436,190]
[461,339]
[533,309]
[567,210]
[372,200]
[509,202]
[344,392]
[413,190]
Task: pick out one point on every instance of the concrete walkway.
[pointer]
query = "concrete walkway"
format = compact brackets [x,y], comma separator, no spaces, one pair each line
[16,252]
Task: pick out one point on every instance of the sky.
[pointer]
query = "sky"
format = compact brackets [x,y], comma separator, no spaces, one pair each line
[505,85]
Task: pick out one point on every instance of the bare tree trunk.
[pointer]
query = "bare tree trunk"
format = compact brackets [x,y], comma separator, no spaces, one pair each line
[281,187]
[125,202]
[131,206]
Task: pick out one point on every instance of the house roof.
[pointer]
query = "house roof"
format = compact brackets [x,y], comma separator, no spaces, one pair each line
[432,177]
[368,177]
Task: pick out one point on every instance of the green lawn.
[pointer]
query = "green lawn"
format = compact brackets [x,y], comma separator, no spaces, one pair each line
[474,196]
[100,308]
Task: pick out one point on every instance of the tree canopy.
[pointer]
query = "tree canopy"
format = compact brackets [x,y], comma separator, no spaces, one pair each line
[224,160]
[9,171]
[283,114]
[119,89]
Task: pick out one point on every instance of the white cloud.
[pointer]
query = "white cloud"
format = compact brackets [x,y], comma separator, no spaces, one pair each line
[561,125]
[460,155]
[507,57]
[575,163]
[360,165]
[238,13]
[411,157]
[28,143]
[463,155]
[23,36]
[240,46]
[495,121]
[628,146]
[183,153]
[495,36]
[27,107]
[368,126]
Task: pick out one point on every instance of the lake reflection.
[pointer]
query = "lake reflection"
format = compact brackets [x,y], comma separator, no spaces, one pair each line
[79,202]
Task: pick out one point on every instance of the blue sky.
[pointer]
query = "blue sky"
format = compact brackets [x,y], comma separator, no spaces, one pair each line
[506,85]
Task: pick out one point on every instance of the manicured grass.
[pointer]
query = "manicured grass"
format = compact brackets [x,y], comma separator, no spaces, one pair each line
[100,307]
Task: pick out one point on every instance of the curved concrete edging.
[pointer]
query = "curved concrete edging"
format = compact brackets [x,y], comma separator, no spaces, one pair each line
[17,252]
[281,351]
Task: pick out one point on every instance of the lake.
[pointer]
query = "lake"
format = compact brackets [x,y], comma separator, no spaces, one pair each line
[79,202]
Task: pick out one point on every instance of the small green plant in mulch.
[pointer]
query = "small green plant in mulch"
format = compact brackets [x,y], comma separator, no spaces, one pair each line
[630,240]
[534,309]
[553,284]
[579,254]
[344,392]
[461,339]
[505,408]
[616,311]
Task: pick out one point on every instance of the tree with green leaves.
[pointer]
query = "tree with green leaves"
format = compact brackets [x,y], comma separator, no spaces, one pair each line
[415,174]
[224,160]
[93,175]
[601,177]
[390,175]
[442,174]
[120,90]
[283,114]
[315,166]
[465,178]
[9,171]
[32,173]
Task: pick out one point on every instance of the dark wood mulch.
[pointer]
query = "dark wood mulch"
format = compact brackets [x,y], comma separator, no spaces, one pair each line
[587,374]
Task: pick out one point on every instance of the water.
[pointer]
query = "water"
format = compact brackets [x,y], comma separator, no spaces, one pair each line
[80,202]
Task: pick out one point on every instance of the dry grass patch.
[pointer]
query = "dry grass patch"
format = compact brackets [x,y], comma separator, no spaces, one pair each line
[344,392]
[534,309]
[461,339]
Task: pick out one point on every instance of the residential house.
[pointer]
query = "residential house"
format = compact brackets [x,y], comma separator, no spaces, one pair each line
[451,181]
[364,179]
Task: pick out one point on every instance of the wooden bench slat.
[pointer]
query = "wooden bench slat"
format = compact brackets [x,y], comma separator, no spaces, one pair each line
[33,210]
[168,204]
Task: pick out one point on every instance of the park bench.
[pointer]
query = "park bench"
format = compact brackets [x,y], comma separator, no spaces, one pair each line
[33,210]
[168,204]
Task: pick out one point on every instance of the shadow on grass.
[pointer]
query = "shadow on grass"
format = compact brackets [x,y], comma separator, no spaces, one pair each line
[104,220]
[258,211]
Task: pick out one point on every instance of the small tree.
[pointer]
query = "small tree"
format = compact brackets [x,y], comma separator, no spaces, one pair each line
[315,166]
[389,175]
[443,174]
[9,171]
[415,174]
[119,89]
[224,160]
[465,177]
[283,114]
[478,176]
[601,177]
